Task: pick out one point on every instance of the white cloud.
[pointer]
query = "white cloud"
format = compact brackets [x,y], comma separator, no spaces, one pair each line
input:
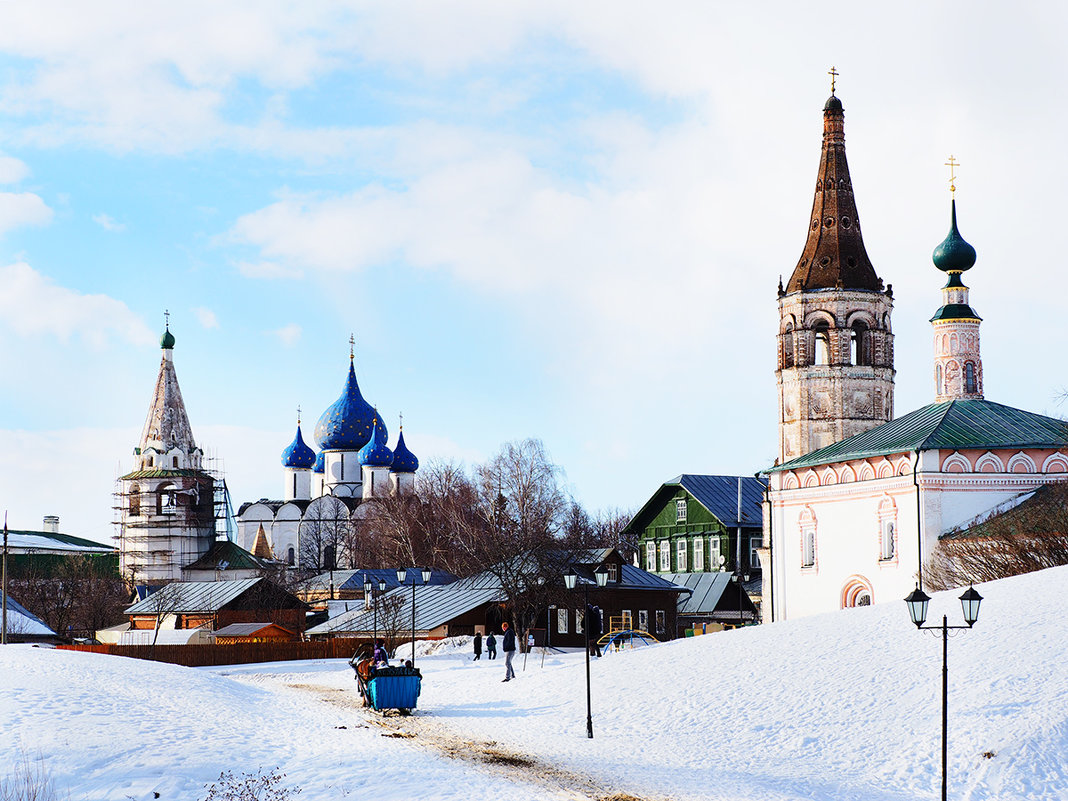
[288,335]
[12,170]
[32,305]
[206,317]
[266,269]
[107,223]
[22,208]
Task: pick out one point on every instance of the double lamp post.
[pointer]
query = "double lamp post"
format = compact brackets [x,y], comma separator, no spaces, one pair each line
[368,594]
[917,602]
[402,573]
[570,580]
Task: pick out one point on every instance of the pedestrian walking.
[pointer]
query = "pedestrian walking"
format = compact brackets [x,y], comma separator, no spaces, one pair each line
[491,646]
[478,645]
[508,646]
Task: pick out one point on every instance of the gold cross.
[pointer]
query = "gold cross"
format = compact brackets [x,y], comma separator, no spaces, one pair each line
[834,74]
[952,164]
[401,415]
[298,415]
[352,346]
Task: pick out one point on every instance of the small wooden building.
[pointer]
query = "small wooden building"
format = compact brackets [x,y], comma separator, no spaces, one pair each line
[253,632]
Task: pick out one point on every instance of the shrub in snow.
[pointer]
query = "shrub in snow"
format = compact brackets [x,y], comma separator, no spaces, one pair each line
[28,781]
[250,787]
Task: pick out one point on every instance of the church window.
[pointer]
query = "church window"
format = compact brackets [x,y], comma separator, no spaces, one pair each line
[151,461]
[650,556]
[699,554]
[808,547]
[329,556]
[864,599]
[680,510]
[888,540]
[858,345]
[291,556]
[561,621]
[174,461]
[665,557]
[294,485]
[969,377]
[823,344]
[135,500]
[680,556]
[788,346]
[165,500]
[938,380]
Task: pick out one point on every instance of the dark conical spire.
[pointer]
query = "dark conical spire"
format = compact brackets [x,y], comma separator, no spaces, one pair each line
[834,254]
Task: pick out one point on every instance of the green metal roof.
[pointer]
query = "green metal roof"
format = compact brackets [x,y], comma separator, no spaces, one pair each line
[163,472]
[950,425]
[956,311]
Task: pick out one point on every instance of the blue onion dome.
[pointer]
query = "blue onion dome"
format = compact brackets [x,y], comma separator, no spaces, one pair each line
[298,454]
[376,453]
[404,460]
[166,342]
[346,425]
[320,462]
[954,255]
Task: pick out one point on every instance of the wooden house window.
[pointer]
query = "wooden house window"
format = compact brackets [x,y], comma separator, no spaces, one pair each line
[698,554]
[680,556]
[680,510]
[754,544]
[561,621]
[650,556]
[613,571]
[643,619]
[713,552]
[580,620]
[665,557]
[661,622]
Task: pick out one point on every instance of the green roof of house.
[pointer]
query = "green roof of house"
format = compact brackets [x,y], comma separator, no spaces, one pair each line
[950,425]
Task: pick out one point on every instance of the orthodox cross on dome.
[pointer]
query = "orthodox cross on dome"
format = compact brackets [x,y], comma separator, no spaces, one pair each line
[952,164]
[166,319]
[298,415]
[352,346]
[834,74]
[401,416]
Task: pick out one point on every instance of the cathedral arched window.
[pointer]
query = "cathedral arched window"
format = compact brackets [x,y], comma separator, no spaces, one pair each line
[788,346]
[823,344]
[291,556]
[165,500]
[939,388]
[969,377]
[135,500]
[858,344]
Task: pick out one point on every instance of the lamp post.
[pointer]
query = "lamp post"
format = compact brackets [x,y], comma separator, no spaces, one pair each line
[917,602]
[369,594]
[740,579]
[570,580]
[402,572]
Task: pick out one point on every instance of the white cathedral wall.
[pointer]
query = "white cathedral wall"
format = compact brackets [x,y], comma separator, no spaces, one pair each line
[848,521]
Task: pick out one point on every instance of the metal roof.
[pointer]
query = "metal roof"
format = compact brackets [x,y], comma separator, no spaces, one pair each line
[225,555]
[194,596]
[49,541]
[717,494]
[950,425]
[706,592]
[246,629]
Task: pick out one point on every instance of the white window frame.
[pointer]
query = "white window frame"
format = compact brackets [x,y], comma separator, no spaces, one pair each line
[888,541]
[680,510]
[714,552]
[650,556]
[754,559]
[561,620]
[808,546]
[665,556]
[680,556]
[580,620]
[643,619]
[698,554]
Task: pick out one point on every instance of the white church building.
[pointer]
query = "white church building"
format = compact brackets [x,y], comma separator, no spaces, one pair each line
[324,489]
[857,501]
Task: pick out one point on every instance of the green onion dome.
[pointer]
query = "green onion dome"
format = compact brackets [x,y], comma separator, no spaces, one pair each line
[954,254]
[167,340]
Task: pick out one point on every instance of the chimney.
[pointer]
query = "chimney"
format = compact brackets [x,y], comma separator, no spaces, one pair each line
[51,524]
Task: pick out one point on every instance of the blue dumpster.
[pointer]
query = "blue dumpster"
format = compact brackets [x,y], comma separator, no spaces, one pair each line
[394,688]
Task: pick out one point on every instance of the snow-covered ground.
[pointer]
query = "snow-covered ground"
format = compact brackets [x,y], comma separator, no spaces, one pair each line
[842,706]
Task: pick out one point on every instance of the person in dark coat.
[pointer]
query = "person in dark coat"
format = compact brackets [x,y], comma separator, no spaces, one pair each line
[508,646]
[593,616]
[380,656]
[491,646]
[478,645]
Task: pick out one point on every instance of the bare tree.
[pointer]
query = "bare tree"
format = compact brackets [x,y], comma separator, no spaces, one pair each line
[392,622]
[163,602]
[324,536]
[73,595]
[1031,536]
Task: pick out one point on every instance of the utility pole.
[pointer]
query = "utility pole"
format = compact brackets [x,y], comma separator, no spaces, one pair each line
[3,589]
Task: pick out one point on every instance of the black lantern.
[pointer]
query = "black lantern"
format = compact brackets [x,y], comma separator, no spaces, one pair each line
[969,602]
[917,601]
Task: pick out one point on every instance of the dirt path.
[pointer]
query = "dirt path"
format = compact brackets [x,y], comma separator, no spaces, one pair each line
[423,731]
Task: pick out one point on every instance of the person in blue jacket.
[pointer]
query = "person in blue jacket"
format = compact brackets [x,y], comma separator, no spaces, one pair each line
[508,646]
[491,646]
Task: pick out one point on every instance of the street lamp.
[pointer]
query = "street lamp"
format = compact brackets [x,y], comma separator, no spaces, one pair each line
[369,594]
[740,579]
[917,602]
[570,579]
[402,572]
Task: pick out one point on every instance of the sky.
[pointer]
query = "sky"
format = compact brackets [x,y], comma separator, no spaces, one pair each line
[831,707]
[563,221]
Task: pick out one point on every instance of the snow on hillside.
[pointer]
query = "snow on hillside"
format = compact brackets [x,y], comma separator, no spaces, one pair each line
[842,706]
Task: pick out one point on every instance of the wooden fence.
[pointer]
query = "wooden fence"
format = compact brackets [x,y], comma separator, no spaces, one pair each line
[236,654]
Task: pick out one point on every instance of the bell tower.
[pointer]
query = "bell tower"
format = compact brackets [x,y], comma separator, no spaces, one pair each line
[835,347]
